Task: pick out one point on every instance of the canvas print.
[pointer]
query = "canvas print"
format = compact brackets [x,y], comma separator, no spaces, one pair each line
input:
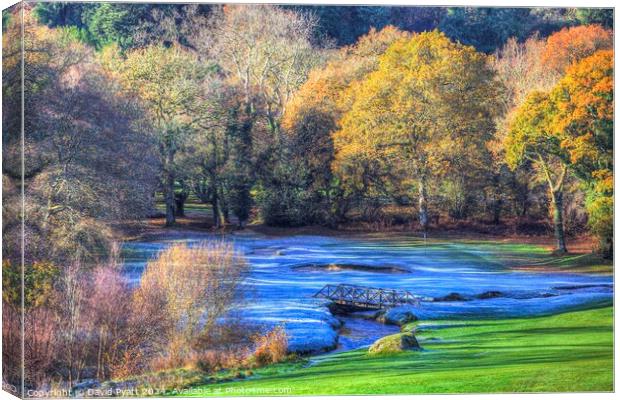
[293,199]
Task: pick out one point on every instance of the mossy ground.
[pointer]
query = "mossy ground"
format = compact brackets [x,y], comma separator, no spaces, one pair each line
[562,353]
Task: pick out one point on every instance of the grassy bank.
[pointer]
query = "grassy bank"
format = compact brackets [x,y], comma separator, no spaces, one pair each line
[566,352]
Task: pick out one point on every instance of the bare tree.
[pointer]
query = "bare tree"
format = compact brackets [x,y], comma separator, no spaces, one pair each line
[266,53]
[265,50]
[520,70]
[70,304]
[109,307]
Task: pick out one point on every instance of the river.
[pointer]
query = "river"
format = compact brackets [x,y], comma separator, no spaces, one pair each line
[286,271]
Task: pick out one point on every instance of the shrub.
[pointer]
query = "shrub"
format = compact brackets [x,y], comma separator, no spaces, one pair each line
[183,292]
[108,308]
[210,361]
[130,363]
[271,348]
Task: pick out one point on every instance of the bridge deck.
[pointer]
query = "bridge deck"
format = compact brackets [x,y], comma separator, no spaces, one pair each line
[366,297]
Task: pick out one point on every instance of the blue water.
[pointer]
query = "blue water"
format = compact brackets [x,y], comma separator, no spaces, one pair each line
[278,293]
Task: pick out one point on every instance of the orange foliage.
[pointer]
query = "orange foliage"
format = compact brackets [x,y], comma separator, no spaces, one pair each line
[584,98]
[572,44]
[572,127]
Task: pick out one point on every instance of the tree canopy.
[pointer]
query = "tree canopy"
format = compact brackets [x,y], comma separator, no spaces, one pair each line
[414,99]
[584,121]
[131,25]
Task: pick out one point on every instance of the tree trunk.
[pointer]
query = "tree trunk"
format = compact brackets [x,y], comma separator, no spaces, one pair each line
[169,191]
[497,211]
[224,206]
[558,220]
[609,249]
[244,170]
[524,208]
[216,213]
[218,216]
[179,203]
[423,203]
[497,200]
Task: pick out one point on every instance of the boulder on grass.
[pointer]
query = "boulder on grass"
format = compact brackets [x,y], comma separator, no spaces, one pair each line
[395,344]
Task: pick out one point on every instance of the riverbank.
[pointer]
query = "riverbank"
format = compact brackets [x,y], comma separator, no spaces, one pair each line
[535,252]
[468,284]
[198,219]
[566,352]
[456,279]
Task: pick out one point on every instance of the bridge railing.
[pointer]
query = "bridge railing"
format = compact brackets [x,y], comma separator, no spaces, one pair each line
[367,297]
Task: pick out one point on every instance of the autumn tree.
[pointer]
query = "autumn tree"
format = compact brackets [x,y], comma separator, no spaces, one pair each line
[536,64]
[572,44]
[168,81]
[311,117]
[532,138]
[584,122]
[539,66]
[410,114]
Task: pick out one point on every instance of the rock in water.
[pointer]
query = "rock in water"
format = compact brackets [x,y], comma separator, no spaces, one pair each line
[396,316]
[451,297]
[395,344]
[343,309]
[491,294]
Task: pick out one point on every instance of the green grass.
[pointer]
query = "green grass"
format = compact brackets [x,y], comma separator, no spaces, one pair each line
[580,263]
[501,254]
[533,257]
[561,353]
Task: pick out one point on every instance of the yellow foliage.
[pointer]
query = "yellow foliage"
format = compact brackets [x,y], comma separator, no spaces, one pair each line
[428,100]
[324,87]
[530,132]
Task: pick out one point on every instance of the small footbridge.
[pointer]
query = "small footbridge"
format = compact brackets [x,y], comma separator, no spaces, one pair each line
[366,298]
